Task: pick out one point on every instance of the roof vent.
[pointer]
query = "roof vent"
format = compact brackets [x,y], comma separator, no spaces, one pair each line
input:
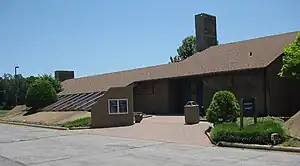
[250,53]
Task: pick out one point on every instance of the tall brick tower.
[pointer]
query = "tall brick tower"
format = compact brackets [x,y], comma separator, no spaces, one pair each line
[206,31]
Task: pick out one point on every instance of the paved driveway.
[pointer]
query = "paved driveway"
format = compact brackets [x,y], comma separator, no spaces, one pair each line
[26,146]
[159,128]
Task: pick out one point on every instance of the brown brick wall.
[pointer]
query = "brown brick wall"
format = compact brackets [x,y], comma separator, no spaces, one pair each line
[244,84]
[99,113]
[274,95]
[155,102]
[174,98]
[282,93]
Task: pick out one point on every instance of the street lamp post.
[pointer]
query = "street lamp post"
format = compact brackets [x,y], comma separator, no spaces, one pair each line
[17,82]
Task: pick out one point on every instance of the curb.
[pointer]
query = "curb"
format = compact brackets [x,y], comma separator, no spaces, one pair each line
[147,116]
[250,146]
[206,132]
[78,128]
[34,125]
[261,147]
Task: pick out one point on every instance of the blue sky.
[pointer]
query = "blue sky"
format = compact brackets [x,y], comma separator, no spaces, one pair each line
[99,36]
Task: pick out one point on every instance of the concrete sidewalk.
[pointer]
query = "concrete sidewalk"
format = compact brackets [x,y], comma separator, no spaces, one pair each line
[159,128]
[28,146]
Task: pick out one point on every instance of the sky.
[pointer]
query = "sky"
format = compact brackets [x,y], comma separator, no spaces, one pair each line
[99,36]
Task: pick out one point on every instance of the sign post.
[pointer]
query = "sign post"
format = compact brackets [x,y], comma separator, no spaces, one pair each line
[249,109]
[255,112]
[242,114]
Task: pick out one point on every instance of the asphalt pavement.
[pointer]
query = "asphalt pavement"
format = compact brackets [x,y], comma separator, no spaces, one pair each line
[28,146]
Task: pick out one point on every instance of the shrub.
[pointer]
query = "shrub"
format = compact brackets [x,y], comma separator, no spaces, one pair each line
[259,133]
[224,107]
[40,93]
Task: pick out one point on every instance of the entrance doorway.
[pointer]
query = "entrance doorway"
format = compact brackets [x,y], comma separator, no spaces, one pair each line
[184,90]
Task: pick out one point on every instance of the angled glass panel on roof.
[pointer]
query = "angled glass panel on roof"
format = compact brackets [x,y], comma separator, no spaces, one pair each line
[67,104]
[89,103]
[51,108]
[87,100]
[62,99]
[75,104]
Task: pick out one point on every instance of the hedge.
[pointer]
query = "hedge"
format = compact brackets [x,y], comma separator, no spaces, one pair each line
[259,133]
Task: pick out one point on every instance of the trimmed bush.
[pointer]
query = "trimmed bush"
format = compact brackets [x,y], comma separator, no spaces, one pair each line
[40,94]
[259,133]
[224,107]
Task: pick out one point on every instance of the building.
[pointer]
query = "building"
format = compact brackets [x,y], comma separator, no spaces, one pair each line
[247,68]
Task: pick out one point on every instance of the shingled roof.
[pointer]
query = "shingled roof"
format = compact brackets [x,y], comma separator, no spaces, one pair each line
[220,58]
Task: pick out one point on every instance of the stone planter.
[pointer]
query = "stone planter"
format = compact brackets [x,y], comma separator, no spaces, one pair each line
[138,117]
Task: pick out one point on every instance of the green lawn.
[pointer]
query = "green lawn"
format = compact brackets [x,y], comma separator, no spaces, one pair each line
[3,112]
[251,133]
[250,120]
[257,134]
[82,122]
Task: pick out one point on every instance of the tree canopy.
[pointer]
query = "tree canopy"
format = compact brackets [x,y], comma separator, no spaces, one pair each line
[291,60]
[187,49]
[11,86]
[40,93]
[55,83]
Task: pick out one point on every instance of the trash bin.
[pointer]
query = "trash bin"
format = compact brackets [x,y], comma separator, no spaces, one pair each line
[191,113]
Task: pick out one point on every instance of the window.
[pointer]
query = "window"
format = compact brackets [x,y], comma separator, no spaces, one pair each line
[117,106]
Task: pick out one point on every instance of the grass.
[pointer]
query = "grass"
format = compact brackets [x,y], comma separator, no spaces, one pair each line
[291,142]
[82,122]
[3,112]
[250,120]
[259,133]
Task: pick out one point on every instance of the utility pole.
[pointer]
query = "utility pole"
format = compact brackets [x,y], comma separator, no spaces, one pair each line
[17,83]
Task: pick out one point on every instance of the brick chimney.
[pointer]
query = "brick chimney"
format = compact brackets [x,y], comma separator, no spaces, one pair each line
[206,31]
[63,75]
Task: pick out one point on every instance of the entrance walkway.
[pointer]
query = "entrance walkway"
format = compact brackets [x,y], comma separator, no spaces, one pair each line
[159,128]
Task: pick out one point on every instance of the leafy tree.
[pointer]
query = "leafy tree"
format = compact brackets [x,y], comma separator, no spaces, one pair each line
[291,60]
[30,79]
[40,93]
[8,91]
[175,59]
[11,86]
[55,83]
[224,107]
[187,49]
[20,86]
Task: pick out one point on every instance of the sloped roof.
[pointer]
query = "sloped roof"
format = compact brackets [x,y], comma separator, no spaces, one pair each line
[220,58]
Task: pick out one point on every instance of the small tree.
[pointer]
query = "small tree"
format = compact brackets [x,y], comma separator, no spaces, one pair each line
[40,93]
[291,60]
[224,107]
